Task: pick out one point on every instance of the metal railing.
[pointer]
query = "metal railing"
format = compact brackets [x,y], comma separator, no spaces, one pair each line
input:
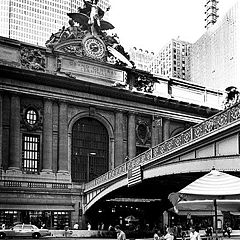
[201,130]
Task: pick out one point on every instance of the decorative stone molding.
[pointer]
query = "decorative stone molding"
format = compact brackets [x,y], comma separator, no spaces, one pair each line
[38,125]
[143,132]
[32,59]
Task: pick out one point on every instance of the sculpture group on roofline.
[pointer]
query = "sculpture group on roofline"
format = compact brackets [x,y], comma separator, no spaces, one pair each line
[88,21]
[87,24]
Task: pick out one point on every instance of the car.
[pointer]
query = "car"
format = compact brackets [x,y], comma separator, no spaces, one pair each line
[24,230]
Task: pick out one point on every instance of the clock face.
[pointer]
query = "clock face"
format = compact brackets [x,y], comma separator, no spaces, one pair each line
[94,47]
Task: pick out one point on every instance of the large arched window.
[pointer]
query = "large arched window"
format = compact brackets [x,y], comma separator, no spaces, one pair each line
[90,145]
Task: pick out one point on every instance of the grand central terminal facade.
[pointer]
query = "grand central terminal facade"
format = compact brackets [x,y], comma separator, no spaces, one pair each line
[71,112]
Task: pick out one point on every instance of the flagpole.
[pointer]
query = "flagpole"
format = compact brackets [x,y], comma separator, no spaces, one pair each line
[215,208]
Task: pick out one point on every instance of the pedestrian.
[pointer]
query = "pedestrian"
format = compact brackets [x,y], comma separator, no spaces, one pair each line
[169,235]
[120,234]
[229,231]
[156,236]
[43,226]
[110,228]
[76,226]
[194,234]
[89,226]
[3,226]
[209,231]
[102,226]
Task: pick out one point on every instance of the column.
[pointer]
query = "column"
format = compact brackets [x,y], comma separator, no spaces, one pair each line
[131,136]
[47,136]
[15,152]
[166,129]
[1,131]
[119,158]
[55,136]
[63,138]
[6,108]
[157,131]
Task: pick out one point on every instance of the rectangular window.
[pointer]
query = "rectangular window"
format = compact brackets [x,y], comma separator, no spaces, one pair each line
[30,153]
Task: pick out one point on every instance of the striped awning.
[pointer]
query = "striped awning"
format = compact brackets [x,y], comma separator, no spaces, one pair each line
[214,183]
[207,205]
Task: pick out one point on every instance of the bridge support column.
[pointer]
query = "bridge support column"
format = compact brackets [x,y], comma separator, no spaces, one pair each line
[131,136]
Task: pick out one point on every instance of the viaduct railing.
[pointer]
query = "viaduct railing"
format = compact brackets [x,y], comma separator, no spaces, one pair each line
[214,123]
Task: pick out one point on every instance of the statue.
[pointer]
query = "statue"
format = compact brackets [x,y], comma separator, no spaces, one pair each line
[232,97]
[87,24]
[90,17]
[55,37]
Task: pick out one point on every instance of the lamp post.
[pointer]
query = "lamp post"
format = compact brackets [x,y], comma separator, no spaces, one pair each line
[88,164]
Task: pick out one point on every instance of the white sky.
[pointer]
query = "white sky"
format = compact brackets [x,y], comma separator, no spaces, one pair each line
[151,24]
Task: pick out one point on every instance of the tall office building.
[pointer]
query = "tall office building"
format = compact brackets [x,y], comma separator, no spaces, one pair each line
[33,21]
[173,60]
[141,58]
[215,55]
[211,13]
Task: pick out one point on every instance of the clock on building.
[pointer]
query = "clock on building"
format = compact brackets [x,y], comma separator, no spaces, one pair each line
[94,47]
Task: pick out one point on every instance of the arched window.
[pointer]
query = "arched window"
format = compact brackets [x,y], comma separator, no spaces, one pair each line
[90,146]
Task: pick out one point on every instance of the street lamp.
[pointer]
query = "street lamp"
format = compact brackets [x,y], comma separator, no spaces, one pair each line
[88,164]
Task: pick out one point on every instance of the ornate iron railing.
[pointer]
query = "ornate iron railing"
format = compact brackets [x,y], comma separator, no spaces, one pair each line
[212,124]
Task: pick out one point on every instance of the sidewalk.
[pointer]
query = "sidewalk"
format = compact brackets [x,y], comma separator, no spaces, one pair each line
[79,238]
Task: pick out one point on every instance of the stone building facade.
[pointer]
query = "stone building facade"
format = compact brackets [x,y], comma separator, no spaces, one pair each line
[65,120]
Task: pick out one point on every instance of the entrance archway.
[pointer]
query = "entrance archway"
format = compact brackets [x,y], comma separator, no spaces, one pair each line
[90,150]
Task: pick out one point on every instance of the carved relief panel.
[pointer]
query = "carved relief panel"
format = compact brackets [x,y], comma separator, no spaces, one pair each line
[143,131]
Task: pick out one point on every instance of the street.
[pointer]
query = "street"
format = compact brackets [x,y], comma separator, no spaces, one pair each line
[79,238]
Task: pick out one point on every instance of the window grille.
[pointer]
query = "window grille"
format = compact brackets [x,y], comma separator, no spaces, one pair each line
[30,153]
[31,117]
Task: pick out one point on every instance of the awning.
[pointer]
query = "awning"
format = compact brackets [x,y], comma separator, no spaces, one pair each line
[235,213]
[36,207]
[207,205]
[213,184]
[197,213]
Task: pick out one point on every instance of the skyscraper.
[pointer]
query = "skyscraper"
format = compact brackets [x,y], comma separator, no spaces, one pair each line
[34,21]
[215,56]
[141,58]
[211,13]
[173,60]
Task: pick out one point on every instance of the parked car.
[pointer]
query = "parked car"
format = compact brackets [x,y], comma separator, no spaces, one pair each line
[24,230]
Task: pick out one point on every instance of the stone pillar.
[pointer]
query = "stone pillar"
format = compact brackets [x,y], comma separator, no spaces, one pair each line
[166,129]
[119,158]
[1,131]
[131,136]
[157,131]
[47,136]
[6,130]
[55,136]
[15,152]
[63,139]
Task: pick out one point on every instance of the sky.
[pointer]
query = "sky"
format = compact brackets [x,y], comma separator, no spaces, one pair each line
[151,24]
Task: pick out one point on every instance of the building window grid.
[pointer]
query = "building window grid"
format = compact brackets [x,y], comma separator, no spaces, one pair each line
[31,153]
